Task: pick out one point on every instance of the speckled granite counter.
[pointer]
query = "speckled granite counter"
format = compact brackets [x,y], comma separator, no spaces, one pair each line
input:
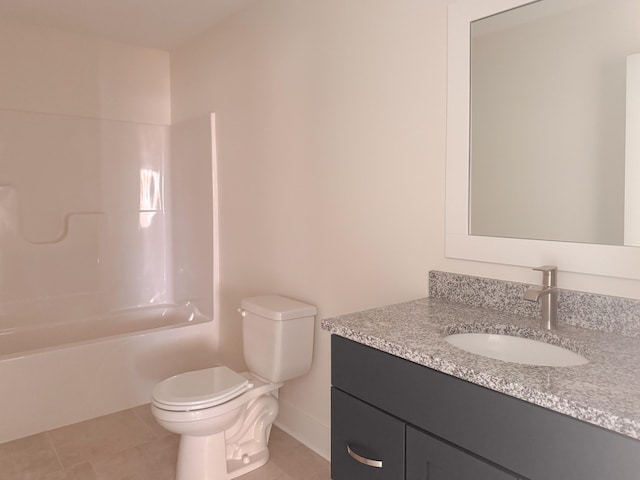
[604,392]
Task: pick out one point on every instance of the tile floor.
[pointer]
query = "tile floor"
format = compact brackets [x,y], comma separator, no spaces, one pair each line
[131,445]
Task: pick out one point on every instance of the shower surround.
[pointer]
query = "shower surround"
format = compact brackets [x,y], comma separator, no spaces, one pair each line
[94,281]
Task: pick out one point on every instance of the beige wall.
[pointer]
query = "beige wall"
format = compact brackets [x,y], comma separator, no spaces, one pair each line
[331,161]
[51,71]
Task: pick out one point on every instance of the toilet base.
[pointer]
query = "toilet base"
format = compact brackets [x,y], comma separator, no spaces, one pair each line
[235,468]
[238,449]
[203,458]
[247,441]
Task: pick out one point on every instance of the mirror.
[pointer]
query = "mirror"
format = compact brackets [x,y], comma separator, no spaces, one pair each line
[548,104]
[544,186]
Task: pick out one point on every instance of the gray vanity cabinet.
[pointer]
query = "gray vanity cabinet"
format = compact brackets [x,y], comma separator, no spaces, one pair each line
[429,458]
[369,444]
[432,426]
[366,443]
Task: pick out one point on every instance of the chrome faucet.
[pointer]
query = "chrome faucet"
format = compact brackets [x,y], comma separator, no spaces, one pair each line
[548,292]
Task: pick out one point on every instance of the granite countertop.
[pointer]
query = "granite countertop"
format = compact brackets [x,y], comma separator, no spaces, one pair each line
[604,392]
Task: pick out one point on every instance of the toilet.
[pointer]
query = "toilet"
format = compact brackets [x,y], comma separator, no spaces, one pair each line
[224,417]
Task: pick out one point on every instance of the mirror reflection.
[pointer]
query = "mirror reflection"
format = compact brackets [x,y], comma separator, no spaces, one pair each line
[555,122]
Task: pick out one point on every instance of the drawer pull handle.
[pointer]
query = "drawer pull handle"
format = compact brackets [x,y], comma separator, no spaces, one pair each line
[364,460]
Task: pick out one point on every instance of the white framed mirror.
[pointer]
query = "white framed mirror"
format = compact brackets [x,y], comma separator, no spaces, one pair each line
[497,246]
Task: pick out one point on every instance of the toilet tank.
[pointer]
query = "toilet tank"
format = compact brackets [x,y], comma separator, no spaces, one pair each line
[277,336]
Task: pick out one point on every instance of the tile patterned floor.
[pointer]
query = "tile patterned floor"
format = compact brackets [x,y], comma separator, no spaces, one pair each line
[130,445]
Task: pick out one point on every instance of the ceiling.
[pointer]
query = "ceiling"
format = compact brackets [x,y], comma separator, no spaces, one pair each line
[161,24]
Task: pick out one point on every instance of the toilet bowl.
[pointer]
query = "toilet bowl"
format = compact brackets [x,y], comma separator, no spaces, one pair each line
[223,434]
[224,418]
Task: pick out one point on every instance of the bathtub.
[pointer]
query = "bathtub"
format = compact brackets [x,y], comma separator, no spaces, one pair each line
[55,375]
[19,341]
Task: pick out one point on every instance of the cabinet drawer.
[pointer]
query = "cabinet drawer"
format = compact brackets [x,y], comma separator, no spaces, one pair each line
[366,443]
[431,459]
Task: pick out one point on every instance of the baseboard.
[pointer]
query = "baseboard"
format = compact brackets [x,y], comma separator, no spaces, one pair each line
[306,429]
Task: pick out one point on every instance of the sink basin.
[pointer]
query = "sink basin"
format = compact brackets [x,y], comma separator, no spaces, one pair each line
[516,349]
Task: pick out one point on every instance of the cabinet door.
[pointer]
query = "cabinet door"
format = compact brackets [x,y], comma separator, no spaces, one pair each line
[366,443]
[431,459]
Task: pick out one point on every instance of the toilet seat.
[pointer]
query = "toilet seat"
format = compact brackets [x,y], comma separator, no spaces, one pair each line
[199,389]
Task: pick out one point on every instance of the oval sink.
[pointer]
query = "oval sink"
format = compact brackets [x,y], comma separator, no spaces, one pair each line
[516,349]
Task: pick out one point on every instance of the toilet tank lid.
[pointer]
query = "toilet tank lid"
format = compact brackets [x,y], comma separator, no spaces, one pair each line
[276,307]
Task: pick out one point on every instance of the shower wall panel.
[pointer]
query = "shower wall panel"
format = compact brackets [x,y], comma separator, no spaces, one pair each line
[194,198]
[82,215]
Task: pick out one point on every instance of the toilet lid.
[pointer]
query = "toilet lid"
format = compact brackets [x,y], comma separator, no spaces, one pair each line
[199,389]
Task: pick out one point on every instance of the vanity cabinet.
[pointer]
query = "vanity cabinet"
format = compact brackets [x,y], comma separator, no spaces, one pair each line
[429,458]
[415,423]
[367,443]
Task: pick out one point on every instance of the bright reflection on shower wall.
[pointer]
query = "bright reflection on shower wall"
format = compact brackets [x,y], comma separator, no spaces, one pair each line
[150,195]
[632,154]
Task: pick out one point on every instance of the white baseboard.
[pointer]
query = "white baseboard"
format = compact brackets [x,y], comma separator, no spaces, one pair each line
[306,429]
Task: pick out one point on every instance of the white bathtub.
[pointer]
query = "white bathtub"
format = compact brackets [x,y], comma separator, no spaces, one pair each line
[60,374]
[20,341]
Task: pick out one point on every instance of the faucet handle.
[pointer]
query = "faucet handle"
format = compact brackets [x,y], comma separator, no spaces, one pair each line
[546,268]
[549,275]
